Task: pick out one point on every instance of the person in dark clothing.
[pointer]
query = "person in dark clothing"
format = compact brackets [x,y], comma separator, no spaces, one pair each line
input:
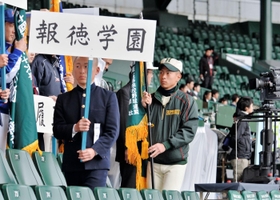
[243,135]
[206,67]
[127,171]
[45,70]
[234,100]
[88,167]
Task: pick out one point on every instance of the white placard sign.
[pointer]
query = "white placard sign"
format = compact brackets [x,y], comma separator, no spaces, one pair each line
[92,36]
[44,108]
[16,3]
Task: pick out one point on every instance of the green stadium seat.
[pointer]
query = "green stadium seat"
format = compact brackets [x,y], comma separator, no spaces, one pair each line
[219,44]
[273,55]
[228,50]
[227,44]
[219,36]
[248,195]
[79,193]
[211,36]
[194,45]
[168,36]
[49,169]
[104,193]
[174,43]
[188,45]
[254,41]
[234,195]
[233,38]
[275,195]
[212,43]
[232,78]
[6,174]
[200,47]
[151,194]
[188,39]
[161,35]
[239,79]
[246,39]
[193,52]
[189,195]
[256,47]
[1,196]
[46,192]
[240,39]
[18,192]
[218,70]
[167,42]
[232,90]
[263,195]
[186,51]
[249,46]
[23,167]
[171,195]
[257,54]
[129,194]
[242,45]
[226,37]
[200,53]
[181,38]
[243,52]
[181,44]
[277,49]
[171,49]
[159,41]
[175,37]
[234,45]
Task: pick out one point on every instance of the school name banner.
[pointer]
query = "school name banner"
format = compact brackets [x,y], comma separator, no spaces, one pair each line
[17,3]
[44,109]
[92,36]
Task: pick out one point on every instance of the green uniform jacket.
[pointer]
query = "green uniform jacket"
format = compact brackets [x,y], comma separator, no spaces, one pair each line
[174,125]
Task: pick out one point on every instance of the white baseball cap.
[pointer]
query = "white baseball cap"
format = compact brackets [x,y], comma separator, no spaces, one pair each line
[150,65]
[171,64]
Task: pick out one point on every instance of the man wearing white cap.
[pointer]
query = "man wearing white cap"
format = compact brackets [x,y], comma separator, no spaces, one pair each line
[128,172]
[174,118]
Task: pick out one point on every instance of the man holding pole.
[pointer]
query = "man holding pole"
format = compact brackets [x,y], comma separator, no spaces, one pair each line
[88,167]
[174,119]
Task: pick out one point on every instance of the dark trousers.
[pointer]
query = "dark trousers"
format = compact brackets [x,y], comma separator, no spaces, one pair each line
[41,141]
[128,174]
[89,178]
[208,81]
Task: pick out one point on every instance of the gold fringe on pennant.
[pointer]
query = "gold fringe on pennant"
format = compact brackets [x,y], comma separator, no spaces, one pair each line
[134,134]
[54,5]
[145,146]
[32,147]
[69,68]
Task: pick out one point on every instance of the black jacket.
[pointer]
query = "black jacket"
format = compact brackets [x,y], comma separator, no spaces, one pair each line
[244,143]
[204,67]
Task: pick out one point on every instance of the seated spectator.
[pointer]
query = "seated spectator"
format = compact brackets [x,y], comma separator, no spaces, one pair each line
[196,90]
[206,97]
[234,100]
[223,101]
[183,88]
[189,85]
[215,95]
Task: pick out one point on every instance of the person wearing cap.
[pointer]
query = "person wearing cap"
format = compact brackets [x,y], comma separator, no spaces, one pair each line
[14,48]
[13,52]
[174,118]
[206,67]
[87,167]
[127,171]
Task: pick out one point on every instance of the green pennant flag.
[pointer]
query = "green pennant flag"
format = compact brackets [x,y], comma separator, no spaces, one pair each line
[137,126]
[22,125]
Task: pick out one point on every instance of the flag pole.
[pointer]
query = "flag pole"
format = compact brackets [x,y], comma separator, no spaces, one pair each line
[149,128]
[149,122]
[3,49]
[88,89]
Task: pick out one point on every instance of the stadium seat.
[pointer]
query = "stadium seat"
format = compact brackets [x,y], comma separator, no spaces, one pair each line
[189,195]
[23,167]
[79,193]
[49,169]
[171,195]
[151,194]
[275,195]
[1,196]
[103,193]
[46,192]
[18,192]
[6,174]
[263,195]
[248,195]
[234,195]
[129,194]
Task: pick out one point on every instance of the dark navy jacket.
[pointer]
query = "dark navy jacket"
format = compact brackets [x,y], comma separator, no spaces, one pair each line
[69,110]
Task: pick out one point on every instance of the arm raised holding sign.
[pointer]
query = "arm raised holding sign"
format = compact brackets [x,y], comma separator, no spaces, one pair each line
[102,128]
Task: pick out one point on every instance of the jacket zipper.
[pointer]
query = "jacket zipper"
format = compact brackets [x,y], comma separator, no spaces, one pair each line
[162,114]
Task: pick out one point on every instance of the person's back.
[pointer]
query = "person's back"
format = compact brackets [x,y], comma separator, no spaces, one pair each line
[45,70]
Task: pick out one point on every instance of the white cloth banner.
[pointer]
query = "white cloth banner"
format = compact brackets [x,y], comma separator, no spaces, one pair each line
[44,108]
[16,3]
[202,159]
[92,36]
